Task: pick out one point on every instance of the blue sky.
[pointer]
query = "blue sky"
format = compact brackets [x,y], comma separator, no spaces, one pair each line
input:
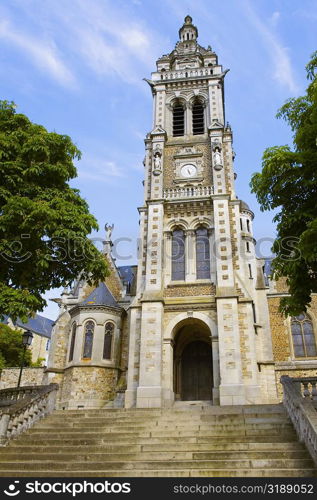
[76,66]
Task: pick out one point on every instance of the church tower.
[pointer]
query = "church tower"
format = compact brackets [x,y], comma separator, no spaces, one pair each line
[198,326]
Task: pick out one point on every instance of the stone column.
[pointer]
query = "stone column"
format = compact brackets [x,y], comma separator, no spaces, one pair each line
[167,373]
[190,255]
[167,259]
[231,389]
[213,255]
[134,358]
[216,369]
[149,392]
[188,118]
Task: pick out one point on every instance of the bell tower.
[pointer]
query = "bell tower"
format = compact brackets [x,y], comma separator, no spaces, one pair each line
[197,271]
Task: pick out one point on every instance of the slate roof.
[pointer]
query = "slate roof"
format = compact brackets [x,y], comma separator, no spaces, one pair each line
[267,270]
[100,296]
[39,324]
[244,206]
[128,274]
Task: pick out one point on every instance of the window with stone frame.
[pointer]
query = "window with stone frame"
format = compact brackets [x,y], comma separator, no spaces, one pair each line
[303,336]
[202,254]
[178,255]
[108,338]
[88,339]
[198,118]
[178,119]
[72,342]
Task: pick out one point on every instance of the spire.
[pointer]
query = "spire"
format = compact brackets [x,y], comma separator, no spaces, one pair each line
[188,32]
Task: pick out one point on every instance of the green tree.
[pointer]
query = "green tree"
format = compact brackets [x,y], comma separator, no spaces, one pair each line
[288,182]
[44,223]
[12,349]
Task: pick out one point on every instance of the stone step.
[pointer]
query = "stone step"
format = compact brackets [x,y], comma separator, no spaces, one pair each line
[204,441]
[84,440]
[158,426]
[169,472]
[172,417]
[212,410]
[168,431]
[94,456]
[35,465]
[161,447]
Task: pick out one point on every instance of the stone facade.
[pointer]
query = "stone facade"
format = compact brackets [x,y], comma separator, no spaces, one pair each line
[197,318]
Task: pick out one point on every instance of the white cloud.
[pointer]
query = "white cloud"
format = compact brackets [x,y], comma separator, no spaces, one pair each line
[110,43]
[98,169]
[282,67]
[97,35]
[41,53]
[275,18]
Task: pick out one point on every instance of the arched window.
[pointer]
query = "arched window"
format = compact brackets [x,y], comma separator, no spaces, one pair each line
[202,254]
[107,345]
[178,255]
[88,340]
[304,342]
[178,119]
[72,343]
[198,118]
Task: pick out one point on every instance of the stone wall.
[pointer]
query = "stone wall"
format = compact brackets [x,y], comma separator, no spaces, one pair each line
[30,376]
[192,290]
[38,348]
[280,336]
[285,362]
[87,387]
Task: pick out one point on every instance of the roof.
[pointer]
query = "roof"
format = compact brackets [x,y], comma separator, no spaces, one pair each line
[267,270]
[39,325]
[268,266]
[100,296]
[128,276]
[244,205]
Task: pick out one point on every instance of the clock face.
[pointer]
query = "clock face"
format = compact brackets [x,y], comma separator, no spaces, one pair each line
[189,170]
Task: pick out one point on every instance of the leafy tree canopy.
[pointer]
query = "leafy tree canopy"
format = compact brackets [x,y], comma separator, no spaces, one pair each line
[11,348]
[288,182]
[44,223]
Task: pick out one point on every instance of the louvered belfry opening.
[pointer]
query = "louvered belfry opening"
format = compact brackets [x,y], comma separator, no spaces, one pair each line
[178,120]
[198,118]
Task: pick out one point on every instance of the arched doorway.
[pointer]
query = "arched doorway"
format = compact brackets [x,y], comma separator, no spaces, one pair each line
[193,379]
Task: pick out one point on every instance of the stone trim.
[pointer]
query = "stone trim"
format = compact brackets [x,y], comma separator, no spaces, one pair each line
[115,310]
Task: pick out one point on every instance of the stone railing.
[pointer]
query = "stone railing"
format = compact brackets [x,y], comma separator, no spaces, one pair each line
[299,399]
[20,408]
[188,73]
[187,192]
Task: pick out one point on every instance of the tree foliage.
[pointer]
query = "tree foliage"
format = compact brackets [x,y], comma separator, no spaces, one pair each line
[12,349]
[288,182]
[44,223]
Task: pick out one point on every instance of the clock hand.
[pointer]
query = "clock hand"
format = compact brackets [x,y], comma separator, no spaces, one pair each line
[188,170]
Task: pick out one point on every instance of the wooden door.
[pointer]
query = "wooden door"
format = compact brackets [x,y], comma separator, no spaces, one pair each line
[196,372]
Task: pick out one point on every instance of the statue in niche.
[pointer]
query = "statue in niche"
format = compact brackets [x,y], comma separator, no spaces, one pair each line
[157,163]
[217,158]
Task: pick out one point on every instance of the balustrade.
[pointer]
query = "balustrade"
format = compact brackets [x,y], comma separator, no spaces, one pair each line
[299,396]
[21,408]
[188,192]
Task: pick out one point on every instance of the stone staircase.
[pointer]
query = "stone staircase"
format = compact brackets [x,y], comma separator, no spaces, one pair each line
[188,441]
